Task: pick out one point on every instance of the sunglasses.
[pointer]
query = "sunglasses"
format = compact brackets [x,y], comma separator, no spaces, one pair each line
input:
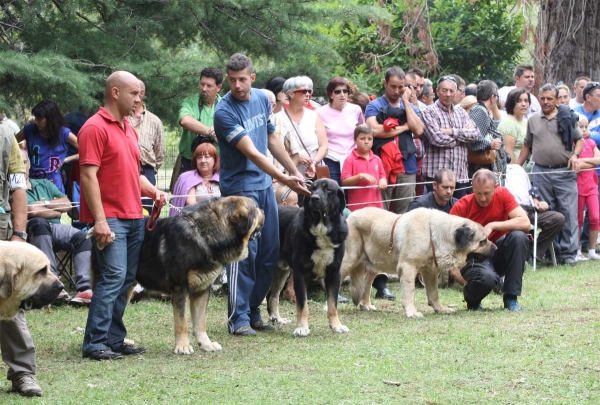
[303,91]
[590,87]
[444,78]
[339,91]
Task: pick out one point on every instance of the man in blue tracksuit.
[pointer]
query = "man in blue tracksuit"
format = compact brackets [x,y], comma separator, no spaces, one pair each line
[244,133]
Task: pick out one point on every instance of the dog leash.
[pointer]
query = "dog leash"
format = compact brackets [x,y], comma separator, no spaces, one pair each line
[392,235]
[156,208]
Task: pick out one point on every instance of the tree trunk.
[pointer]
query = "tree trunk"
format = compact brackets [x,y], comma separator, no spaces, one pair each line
[567,41]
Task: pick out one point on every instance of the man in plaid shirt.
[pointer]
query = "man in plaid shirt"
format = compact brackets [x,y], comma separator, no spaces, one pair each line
[448,130]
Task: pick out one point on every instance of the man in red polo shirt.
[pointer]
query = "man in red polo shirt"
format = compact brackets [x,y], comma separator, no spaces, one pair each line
[506,224]
[109,159]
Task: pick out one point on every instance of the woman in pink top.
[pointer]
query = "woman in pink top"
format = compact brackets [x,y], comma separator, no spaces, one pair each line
[587,187]
[340,118]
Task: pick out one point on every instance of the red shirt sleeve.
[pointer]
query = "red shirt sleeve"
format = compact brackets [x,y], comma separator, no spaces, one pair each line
[91,140]
[347,168]
[459,209]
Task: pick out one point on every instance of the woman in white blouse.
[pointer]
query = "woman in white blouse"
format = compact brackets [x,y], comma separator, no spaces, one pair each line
[306,123]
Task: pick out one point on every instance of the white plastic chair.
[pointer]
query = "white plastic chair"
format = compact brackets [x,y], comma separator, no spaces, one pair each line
[517,182]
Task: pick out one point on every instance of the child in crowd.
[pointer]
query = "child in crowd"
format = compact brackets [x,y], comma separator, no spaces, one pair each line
[587,185]
[363,168]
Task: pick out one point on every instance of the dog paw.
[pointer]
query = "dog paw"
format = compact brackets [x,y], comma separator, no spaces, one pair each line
[414,315]
[128,342]
[184,349]
[340,329]
[281,321]
[369,307]
[210,346]
[301,332]
[446,310]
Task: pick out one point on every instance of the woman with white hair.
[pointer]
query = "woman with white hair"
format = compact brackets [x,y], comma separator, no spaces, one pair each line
[306,124]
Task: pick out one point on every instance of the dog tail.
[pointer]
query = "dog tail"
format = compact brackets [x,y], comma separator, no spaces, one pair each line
[358,281]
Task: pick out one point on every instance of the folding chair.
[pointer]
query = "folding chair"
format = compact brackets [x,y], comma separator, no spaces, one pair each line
[64,266]
[517,182]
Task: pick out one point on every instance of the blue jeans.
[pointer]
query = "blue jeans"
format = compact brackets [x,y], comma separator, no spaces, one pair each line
[334,170]
[118,264]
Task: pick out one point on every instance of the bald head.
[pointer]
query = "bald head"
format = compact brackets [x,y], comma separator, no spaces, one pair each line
[122,92]
[120,79]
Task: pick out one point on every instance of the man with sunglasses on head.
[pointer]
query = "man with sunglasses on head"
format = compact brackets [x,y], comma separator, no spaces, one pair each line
[448,130]
[398,95]
[591,106]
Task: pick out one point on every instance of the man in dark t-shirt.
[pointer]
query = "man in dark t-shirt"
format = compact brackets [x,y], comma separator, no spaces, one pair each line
[444,183]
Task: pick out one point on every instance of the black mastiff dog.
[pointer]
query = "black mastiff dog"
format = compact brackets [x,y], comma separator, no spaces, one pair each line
[184,255]
[312,244]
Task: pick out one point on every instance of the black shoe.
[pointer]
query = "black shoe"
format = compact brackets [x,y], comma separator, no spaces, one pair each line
[127,350]
[385,294]
[342,300]
[511,303]
[476,307]
[261,326]
[104,355]
[245,330]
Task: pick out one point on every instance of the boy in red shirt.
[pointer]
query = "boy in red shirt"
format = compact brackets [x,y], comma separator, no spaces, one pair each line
[506,224]
[363,168]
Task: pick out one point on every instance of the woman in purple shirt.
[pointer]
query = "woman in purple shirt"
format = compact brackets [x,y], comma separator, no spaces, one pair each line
[47,143]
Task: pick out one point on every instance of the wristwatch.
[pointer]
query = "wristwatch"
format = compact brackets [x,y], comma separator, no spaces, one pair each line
[576,154]
[46,202]
[20,234]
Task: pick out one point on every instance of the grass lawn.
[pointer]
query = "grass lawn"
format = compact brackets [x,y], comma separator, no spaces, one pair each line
[548,353]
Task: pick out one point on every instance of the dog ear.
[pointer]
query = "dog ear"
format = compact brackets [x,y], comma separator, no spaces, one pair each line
[342,198]
[243,218]
[6,286]
[463,236]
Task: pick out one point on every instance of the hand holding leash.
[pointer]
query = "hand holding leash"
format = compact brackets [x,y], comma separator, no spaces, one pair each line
[296,184]
[160,199]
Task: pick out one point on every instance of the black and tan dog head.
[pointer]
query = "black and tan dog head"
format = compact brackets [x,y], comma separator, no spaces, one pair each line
[470,237]
[245,216]
[25,279]
[327,198]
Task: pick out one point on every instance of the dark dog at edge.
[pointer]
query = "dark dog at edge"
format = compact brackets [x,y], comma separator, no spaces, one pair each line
[184,255]
[312,244]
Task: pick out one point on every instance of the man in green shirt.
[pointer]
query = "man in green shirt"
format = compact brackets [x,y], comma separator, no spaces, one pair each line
[45,205]
[197,113]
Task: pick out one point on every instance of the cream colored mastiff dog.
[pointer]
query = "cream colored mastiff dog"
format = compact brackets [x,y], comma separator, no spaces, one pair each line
[422,240]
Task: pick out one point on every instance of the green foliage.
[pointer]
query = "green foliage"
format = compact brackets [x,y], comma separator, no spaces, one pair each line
[66,49]
[474,39]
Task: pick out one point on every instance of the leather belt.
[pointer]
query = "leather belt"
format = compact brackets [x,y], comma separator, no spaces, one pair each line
[552,167]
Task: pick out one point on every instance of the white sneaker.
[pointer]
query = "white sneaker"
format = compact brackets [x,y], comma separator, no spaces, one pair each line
[580,257]
[592,255]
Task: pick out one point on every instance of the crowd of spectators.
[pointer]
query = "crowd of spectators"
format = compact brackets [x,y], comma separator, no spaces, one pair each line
[499,156]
